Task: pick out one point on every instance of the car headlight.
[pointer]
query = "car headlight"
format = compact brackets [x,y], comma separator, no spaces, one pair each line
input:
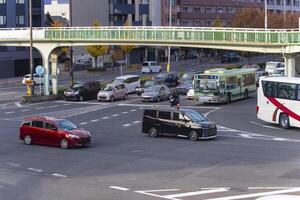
[89,134]
[76,93]
[73,136]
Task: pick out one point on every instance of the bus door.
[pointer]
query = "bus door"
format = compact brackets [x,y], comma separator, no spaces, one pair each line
[239,84]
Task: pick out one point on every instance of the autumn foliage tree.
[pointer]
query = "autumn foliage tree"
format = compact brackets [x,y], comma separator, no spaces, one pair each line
[96,50]
[127,48]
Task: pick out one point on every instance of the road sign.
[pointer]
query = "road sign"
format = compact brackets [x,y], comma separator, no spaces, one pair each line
[39,70]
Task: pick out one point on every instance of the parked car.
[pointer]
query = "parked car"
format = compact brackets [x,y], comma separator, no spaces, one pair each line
[156,93]
[279,71]
[113,92]
[191,94]
[187,76]
[82,91]
[184,87]
[170,79]
[230,58]
[190,123]
[272,66]
[146,85]
[150,67]
[132,81]
[53,131]
[37,80]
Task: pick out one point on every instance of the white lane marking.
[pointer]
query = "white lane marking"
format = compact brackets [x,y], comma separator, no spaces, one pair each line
[40,108]
[214,110]
[269,188]
[105,118]
[280,139]
[7,93]
[86,103]
[168,106]
[141,108]
[148,192]
[119,188]
[186,194]
[35,170]
[257,194]
[13,164]
[94,120]
[83,123]
[133,110]
[115,115]
[55,106]
[59,175]
[84,112]
[136,122]
[9,112]
[266,126]
[18,104]
[124,112]
[126,125]
[245,135]
[25,110]
[66,104]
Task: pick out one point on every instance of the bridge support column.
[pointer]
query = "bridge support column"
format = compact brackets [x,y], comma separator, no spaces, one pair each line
[45,50]
[291,61]
[54,73]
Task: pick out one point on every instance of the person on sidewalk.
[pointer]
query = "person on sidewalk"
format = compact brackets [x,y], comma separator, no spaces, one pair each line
[175,100]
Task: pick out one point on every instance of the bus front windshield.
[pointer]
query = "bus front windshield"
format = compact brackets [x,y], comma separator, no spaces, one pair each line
[208,85]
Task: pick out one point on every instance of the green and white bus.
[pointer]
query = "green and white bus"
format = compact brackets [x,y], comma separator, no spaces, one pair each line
[220,85]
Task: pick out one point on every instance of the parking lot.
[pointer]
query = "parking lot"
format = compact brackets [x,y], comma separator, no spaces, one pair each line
[247,160]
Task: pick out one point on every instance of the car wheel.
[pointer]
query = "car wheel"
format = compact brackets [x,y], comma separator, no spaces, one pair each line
[153,132]
[246,95]
[112,99]
[284,121]
[125,96]
[193,135]
[158,99]
[27,139]
[64,144]
[80,98]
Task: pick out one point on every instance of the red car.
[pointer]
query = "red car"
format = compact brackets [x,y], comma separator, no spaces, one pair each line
[52,131]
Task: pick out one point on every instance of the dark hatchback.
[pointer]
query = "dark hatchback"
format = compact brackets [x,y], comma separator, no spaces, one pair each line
[146,85]
[82,91]
[186,122]
[184,87]
[170,79]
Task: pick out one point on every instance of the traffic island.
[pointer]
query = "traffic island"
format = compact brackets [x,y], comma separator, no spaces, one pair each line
[36,99]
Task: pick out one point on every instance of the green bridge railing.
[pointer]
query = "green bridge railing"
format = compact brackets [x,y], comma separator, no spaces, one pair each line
[174,34]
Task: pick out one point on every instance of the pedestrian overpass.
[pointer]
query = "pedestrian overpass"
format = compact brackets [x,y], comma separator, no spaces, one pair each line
[45,40]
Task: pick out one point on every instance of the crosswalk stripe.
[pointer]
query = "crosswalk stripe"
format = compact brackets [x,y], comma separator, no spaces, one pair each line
[174,196]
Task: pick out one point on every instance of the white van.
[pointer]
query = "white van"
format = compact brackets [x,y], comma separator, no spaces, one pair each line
[151,67]
[272,66]
[132,81]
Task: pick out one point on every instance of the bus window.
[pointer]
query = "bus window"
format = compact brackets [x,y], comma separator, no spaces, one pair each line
[287,91]
[269,88]
[298,92]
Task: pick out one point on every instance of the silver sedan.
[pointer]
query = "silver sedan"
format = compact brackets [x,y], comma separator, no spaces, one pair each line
[156,93]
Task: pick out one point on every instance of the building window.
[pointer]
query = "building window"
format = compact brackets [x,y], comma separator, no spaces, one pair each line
[2,1]
[20,20]
[2,20]
[20,1]
[185,23]
[185,9]
[210,10]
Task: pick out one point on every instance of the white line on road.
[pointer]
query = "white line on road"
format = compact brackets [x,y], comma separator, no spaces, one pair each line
[280,139]
[126,125]
[266,126]
[141,108]
[115,115]
[9,112]
[55,106]
[124,112]
[245,135]
[59,175]
[214,110]
[66,104]
[83,123]
[143,105]
[175,196]
[25,110]
[269,188]
[148,192]
[40,108]
[119,188]
[105,118]
[18,104]
[13,164]
[94,120]
[133,110]
[257,194]
[136,122]
[7,93]
[35,170]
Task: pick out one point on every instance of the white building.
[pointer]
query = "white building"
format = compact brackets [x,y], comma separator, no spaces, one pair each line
[281,5]
[58,8]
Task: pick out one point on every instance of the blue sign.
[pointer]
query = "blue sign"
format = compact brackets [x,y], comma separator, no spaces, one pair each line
[39,70]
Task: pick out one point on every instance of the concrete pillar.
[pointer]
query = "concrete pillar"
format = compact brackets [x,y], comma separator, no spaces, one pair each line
[54,73]
[290,65]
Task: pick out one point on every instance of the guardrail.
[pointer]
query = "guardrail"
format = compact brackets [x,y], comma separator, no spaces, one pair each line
[175,34]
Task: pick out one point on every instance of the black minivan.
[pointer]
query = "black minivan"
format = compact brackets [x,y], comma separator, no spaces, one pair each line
[80,91]
[185,122]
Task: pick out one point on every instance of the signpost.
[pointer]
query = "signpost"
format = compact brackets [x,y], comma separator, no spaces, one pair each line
[39,70]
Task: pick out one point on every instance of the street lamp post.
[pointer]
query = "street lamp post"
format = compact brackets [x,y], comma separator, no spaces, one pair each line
[31,49]
[71,49]
[266,15]
[169,47]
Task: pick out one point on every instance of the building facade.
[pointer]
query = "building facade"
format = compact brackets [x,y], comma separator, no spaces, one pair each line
[281,5]
[14,14]
[58,8]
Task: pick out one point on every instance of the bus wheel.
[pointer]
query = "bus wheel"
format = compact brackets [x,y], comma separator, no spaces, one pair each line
[228,98]
[284,121]
[246,95]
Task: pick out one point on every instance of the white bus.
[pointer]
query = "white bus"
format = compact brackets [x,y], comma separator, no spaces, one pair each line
[278,101]
[220,85]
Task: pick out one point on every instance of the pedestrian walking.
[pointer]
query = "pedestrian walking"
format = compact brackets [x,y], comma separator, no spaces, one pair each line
[175,100]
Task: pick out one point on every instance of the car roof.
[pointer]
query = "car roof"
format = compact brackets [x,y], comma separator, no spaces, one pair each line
[282,79]
[127,76]
[169,109]
[47,118]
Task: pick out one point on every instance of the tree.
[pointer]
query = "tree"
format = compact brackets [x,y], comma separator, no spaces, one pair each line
[127,48]
[96,50]
[217,22]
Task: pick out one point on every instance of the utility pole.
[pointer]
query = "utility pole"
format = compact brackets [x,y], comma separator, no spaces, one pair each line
[71,49]
[31,49]
[170,24]
[266,15]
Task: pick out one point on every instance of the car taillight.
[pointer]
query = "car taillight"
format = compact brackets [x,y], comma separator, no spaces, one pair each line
[257,109]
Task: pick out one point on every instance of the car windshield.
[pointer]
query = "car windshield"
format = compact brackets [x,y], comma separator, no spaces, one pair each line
[108,88]
[187,76]
[153,89]
[77,85]
[187,82]
[145,64]
[66,125]
[195,116]
[148,84]
[162,75]
[117,81]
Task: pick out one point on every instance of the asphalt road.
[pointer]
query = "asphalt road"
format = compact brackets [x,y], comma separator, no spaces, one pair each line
[248,159]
